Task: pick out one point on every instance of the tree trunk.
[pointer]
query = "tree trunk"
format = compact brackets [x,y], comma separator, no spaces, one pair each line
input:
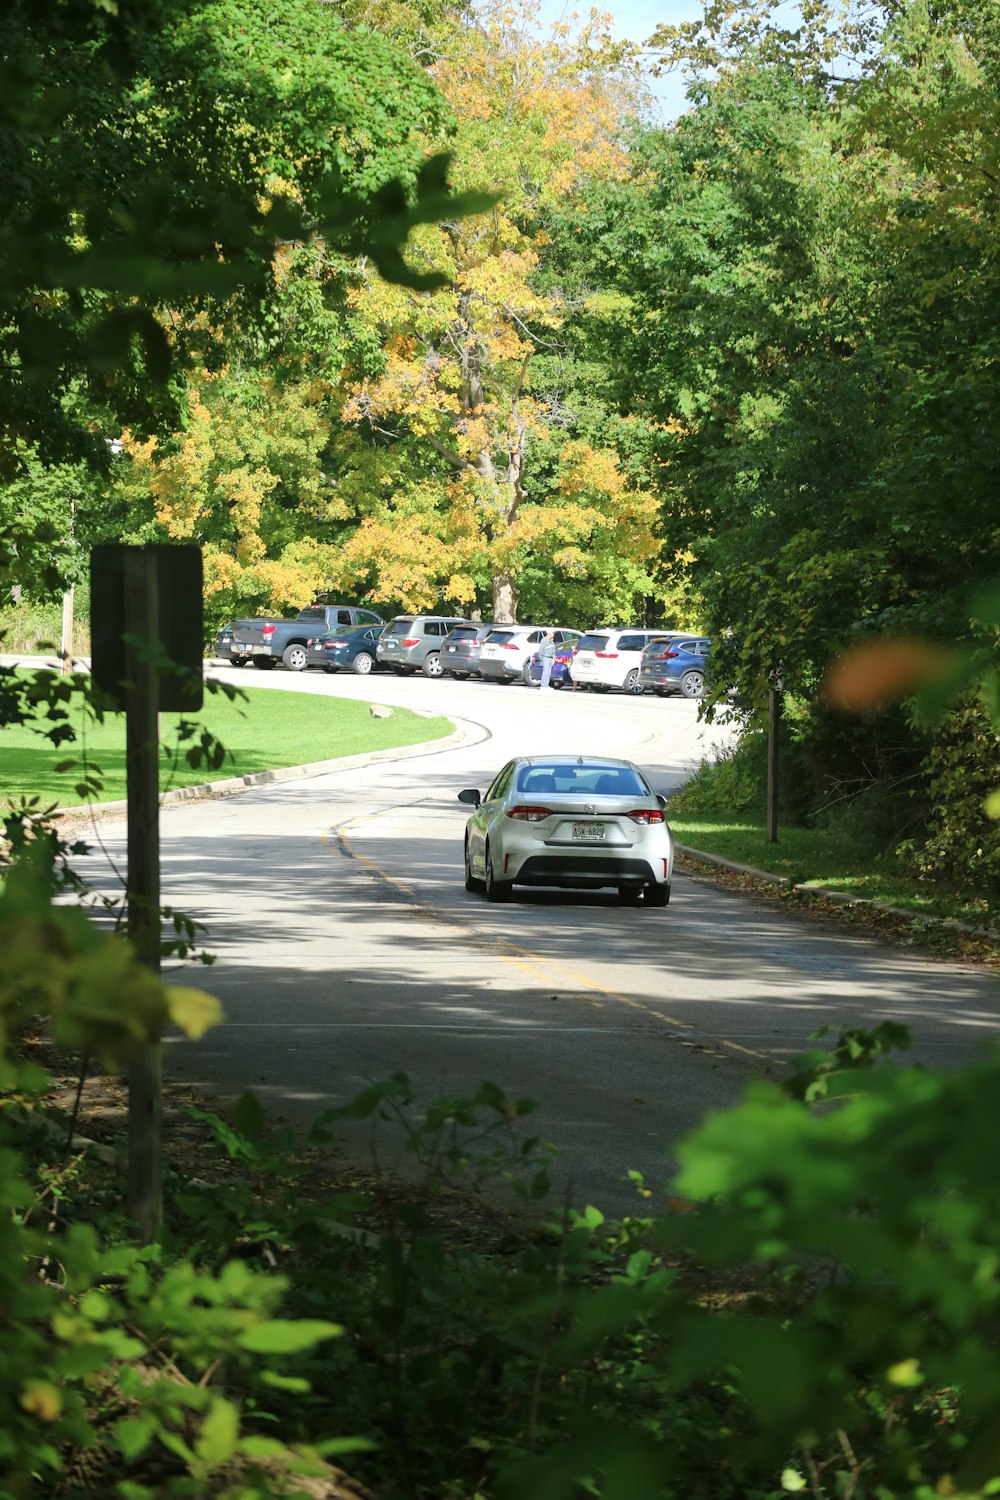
[504,599]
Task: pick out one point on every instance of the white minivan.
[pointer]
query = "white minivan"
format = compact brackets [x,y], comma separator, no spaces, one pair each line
[611,658]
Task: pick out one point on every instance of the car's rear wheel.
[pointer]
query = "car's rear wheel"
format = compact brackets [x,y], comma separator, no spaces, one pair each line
[526,675]
[263,663]
[496,890]
[295,657]
[693,684]
[472,883]
[432,666]
[658,895]
[632,683]
[362,664]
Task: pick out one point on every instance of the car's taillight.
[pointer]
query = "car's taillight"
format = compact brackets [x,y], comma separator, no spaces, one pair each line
[412,640]
[670,655]
[331,644]
[606,655]
[510,645]
[527,812]
[268,630]
[646,815]
[310,645]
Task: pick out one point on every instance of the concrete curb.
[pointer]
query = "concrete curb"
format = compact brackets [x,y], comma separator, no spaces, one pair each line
[836,898]
[465,733]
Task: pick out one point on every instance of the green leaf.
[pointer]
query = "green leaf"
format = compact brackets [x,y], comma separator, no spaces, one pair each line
[193,1010]
[217,1440]
[134,1435]
[284,1336]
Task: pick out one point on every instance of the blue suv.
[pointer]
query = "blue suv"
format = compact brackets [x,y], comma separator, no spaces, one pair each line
[675,666]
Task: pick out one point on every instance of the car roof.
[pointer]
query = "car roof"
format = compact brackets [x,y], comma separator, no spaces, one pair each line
[574,760]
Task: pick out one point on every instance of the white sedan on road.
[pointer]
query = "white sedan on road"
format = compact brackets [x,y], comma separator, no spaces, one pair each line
[577,821]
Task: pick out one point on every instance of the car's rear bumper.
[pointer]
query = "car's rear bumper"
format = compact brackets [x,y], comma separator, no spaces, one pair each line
[499,669]
[582,870]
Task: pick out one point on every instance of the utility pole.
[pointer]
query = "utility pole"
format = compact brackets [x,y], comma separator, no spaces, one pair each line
[142,748]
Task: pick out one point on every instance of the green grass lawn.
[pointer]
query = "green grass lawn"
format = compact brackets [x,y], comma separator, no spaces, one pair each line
[262,732]
[827,861]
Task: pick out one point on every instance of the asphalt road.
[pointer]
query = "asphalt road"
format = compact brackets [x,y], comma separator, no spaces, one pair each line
[348,949]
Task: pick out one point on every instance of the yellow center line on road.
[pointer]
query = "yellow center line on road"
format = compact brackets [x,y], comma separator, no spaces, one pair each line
[546,970]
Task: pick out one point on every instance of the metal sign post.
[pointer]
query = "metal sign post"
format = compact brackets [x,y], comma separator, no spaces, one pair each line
[142,748]
[146,654]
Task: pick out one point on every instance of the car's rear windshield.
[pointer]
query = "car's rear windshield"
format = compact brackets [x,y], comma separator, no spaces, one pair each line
[399,627]
[312,612]
[465,632]
[500,636]
[592,642]
[588,779]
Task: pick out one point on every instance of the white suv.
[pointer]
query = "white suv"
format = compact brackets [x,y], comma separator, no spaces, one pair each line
[611,658]
[508,649]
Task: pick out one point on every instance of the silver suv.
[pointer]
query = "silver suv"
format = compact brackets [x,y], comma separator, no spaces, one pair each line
[508,649]
[413,643]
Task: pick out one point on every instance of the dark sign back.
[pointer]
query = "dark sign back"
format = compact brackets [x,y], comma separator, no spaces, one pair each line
[179,652]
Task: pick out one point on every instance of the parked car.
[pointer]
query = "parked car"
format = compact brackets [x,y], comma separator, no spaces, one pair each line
[413,643]
[461,647]
[266,641]
[223,648]
[611,658]
[561,667]
[572,821]
[508,649]
[352,649]
[675,666]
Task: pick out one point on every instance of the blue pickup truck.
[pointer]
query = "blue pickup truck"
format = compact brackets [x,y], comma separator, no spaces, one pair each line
[265,642]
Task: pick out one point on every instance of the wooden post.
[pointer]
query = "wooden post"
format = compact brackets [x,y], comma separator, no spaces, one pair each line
[145,1199]
[66,638]
[773,731]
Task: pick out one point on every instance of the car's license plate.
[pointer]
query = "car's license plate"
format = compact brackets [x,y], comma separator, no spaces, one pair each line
[588,830]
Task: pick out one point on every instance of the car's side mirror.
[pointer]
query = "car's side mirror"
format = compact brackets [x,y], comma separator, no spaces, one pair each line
[470,795]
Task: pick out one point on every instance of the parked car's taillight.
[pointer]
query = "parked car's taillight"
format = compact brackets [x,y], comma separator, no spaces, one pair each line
[310,645]
[646,815]
[526,812]
[267,630]
[412,640]
[510,645]
[606,655]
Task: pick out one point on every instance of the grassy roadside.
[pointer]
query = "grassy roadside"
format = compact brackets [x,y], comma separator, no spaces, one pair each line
[721,811]
[826,860]
[262,730]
